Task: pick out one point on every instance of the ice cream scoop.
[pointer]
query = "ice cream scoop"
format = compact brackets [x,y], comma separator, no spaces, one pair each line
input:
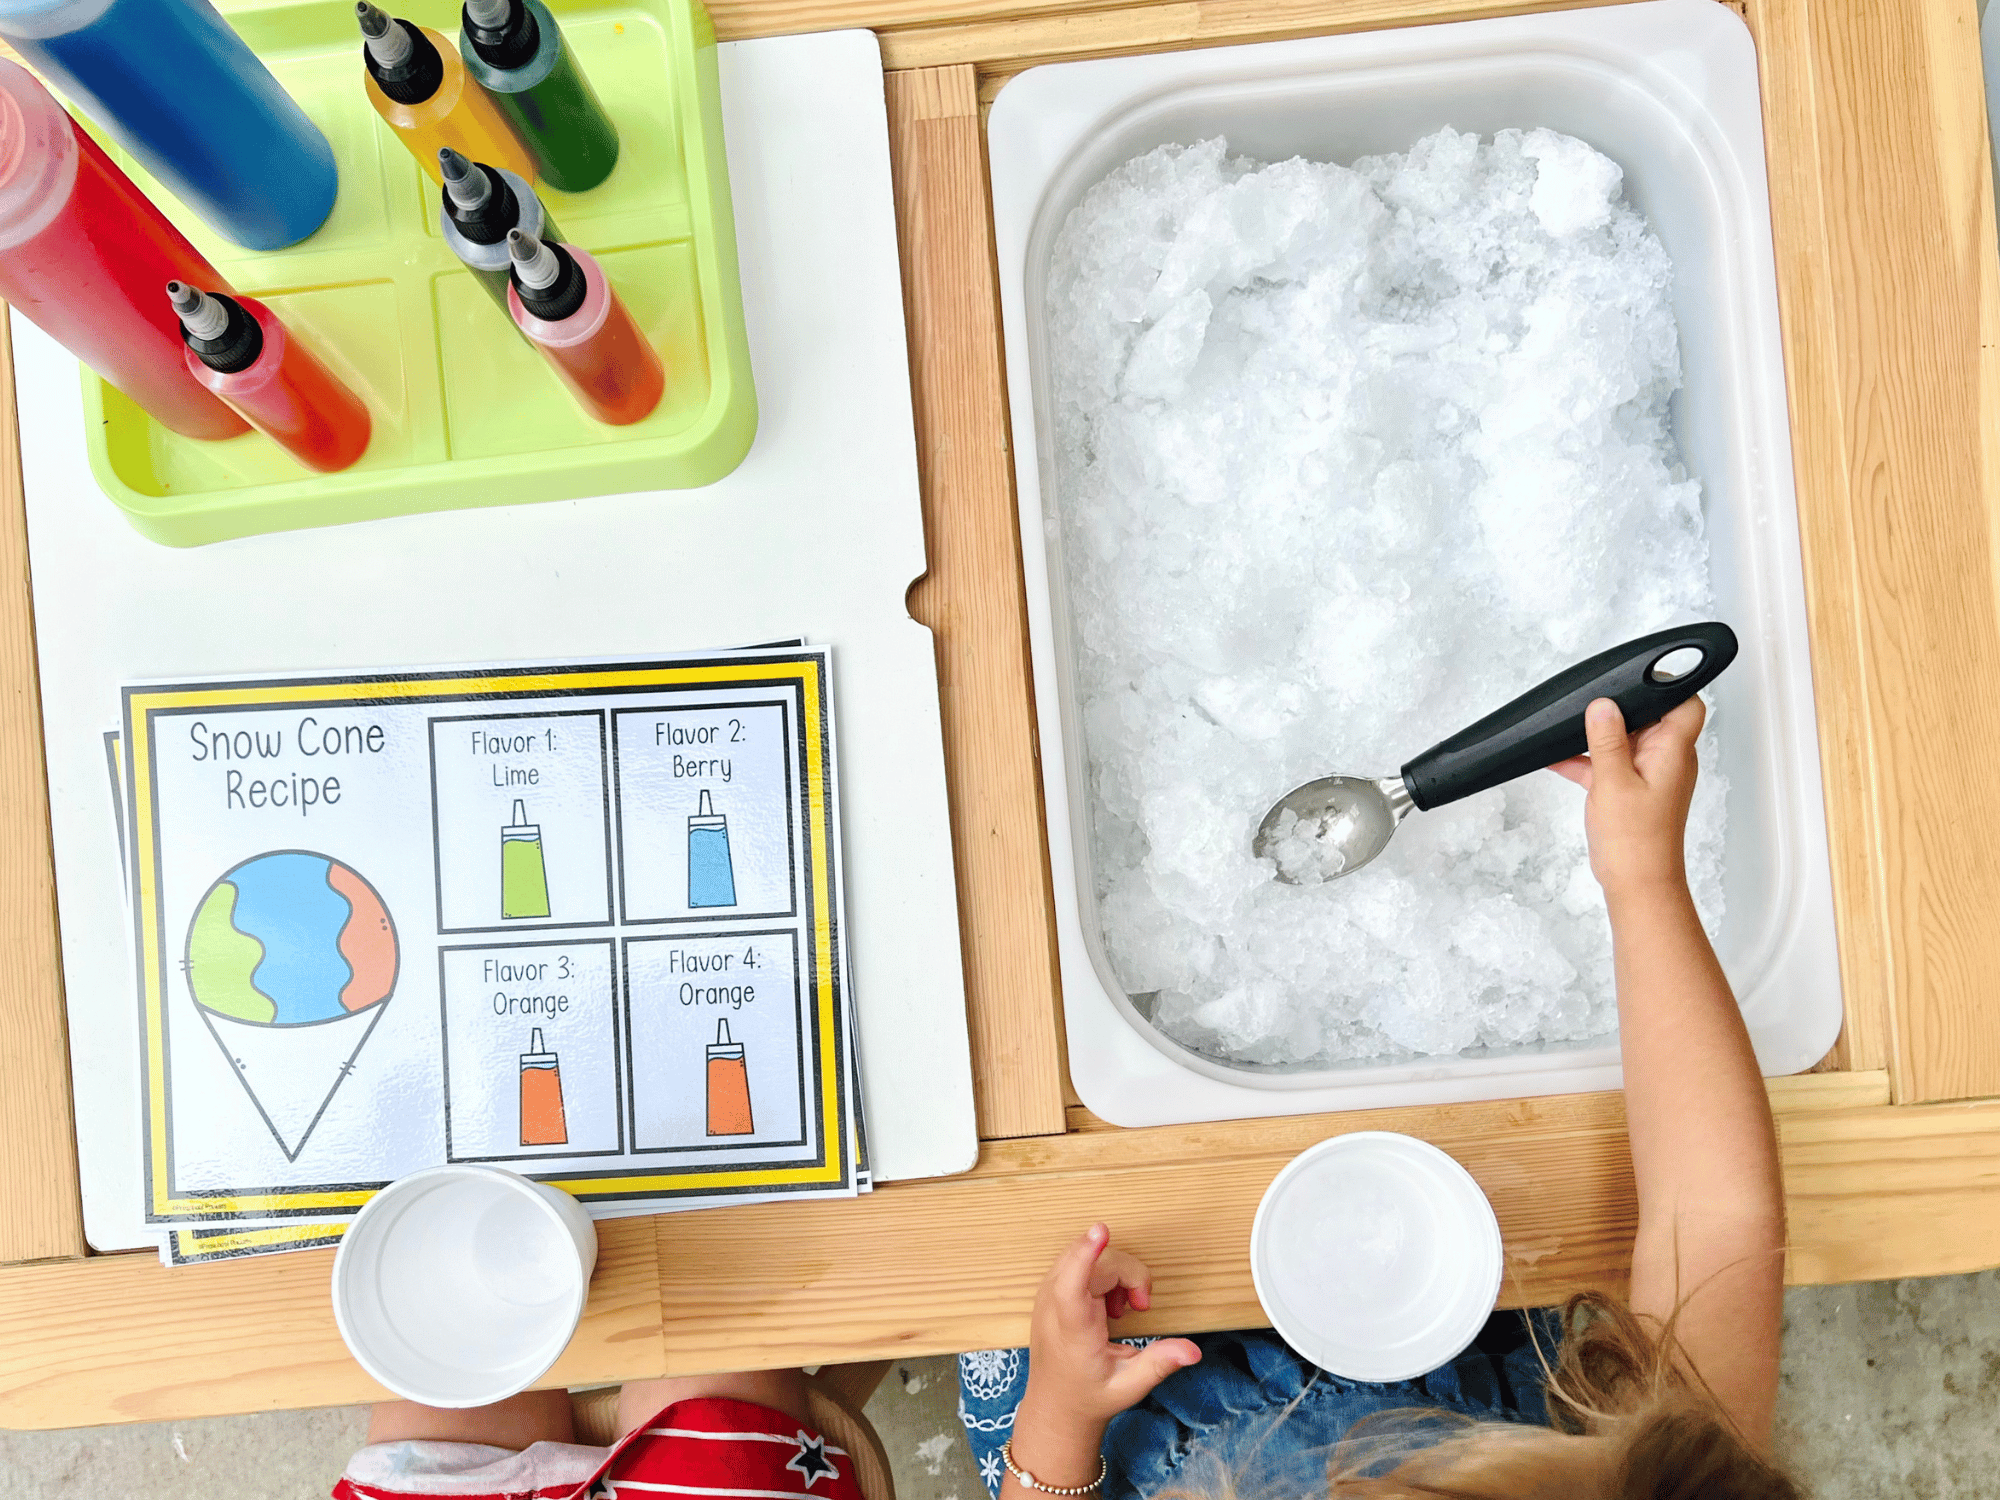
[1334,825]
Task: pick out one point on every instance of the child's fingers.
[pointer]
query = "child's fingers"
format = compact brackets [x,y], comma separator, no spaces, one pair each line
[1684,720]
[1122,1270]
[1134,1377]
[1670,741]
[1576,768]
[1679,725]
[1073,1271]
[1610,746]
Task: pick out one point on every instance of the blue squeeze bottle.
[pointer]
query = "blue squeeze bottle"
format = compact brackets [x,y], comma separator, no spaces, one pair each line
[179,89]
[711,877]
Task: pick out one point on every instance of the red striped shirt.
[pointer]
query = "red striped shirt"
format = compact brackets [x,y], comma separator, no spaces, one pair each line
[710,1448]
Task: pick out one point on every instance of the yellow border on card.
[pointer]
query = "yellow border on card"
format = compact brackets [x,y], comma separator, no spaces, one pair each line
[193,1246]
[809,673]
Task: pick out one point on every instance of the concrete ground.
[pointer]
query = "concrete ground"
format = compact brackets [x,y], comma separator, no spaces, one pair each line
[1890,1388]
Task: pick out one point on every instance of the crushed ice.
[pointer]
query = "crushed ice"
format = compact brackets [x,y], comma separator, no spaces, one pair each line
[1310,851]
[1346,458]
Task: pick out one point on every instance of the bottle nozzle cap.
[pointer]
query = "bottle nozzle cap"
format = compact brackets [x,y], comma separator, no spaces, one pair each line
[464,182]
[520,813]
[534,263]
[493,15]
[200,314]
[387,42]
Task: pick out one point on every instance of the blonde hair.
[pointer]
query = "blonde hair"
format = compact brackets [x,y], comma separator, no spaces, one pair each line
[1627,1421]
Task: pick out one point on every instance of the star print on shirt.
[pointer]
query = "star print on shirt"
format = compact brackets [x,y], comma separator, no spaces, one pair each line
[811,1460]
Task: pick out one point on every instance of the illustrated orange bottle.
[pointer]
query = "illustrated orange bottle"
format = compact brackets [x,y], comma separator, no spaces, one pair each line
[542,1119]
[417,83]
[728,1086]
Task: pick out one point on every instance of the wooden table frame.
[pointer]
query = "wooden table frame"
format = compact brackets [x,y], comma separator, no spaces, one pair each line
[1882,204]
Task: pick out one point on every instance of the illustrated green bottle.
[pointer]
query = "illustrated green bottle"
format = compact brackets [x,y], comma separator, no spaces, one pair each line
[524,880]
[517,54]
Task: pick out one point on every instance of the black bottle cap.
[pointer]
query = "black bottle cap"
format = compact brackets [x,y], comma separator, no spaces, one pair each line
[234,349]
[509,44]
[487,224]
[561,297]
[417,76]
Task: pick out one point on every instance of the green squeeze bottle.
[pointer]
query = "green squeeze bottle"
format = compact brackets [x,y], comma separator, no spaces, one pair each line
[517,54]
[524,880]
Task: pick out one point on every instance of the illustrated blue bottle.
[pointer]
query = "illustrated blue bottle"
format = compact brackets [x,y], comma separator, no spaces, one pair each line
[179,89]
[711,877]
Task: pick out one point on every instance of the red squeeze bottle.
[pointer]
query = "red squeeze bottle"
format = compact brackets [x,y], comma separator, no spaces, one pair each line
[562,301]
[82,256]
[237,348]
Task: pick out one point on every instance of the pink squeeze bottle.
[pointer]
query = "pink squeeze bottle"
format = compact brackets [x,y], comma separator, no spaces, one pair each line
[561,300]
[83,255]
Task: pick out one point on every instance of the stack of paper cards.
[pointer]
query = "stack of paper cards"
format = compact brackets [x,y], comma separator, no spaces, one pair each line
[578,919]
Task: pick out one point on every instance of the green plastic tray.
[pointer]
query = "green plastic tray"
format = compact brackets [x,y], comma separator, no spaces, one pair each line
[465,412]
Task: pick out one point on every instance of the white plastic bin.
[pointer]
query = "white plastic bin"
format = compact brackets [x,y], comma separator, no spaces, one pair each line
[1668,89]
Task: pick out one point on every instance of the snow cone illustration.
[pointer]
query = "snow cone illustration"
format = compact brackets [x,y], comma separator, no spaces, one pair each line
[291,959]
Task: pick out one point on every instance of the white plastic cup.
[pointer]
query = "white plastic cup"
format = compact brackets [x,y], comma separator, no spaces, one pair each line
[459,1286]
[1376,1256]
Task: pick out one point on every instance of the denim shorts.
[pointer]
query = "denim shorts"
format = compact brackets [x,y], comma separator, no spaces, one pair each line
[1267,1417]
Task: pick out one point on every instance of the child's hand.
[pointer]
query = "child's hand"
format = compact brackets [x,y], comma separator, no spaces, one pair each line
[1078,1380]
[1636,813]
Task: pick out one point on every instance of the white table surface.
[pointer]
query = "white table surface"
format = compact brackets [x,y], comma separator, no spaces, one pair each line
[818,533]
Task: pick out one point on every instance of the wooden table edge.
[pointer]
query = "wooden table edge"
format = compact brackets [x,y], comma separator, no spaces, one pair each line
[939,1266]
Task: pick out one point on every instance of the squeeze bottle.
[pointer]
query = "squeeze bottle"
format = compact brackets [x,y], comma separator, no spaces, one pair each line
[543,1122]
[237,348]
[524,875]
[82,256]
[175,86]
[417,84]
[711,876]
[481,204]
[514,51]
[728,1086]
[561,300]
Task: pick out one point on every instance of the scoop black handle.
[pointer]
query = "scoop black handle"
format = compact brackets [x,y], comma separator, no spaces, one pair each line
[1545,724]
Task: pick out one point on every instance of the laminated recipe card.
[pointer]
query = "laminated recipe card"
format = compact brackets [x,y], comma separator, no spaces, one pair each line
[579,919]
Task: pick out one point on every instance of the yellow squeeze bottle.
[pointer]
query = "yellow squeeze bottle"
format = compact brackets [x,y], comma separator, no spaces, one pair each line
[417,82]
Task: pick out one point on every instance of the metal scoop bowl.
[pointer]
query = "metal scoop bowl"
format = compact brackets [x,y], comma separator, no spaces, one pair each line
[1334,825]
[1331,827]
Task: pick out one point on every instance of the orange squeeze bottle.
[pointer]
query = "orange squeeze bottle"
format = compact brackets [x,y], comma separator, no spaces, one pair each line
[542,1120]
[237,347]
[728,1086]
[561,299]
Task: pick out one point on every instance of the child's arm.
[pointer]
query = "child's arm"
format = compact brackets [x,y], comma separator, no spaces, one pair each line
[1078,1380]
[1705,1155]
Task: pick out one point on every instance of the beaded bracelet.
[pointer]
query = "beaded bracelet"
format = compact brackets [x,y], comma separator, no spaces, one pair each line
[1029,1482]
